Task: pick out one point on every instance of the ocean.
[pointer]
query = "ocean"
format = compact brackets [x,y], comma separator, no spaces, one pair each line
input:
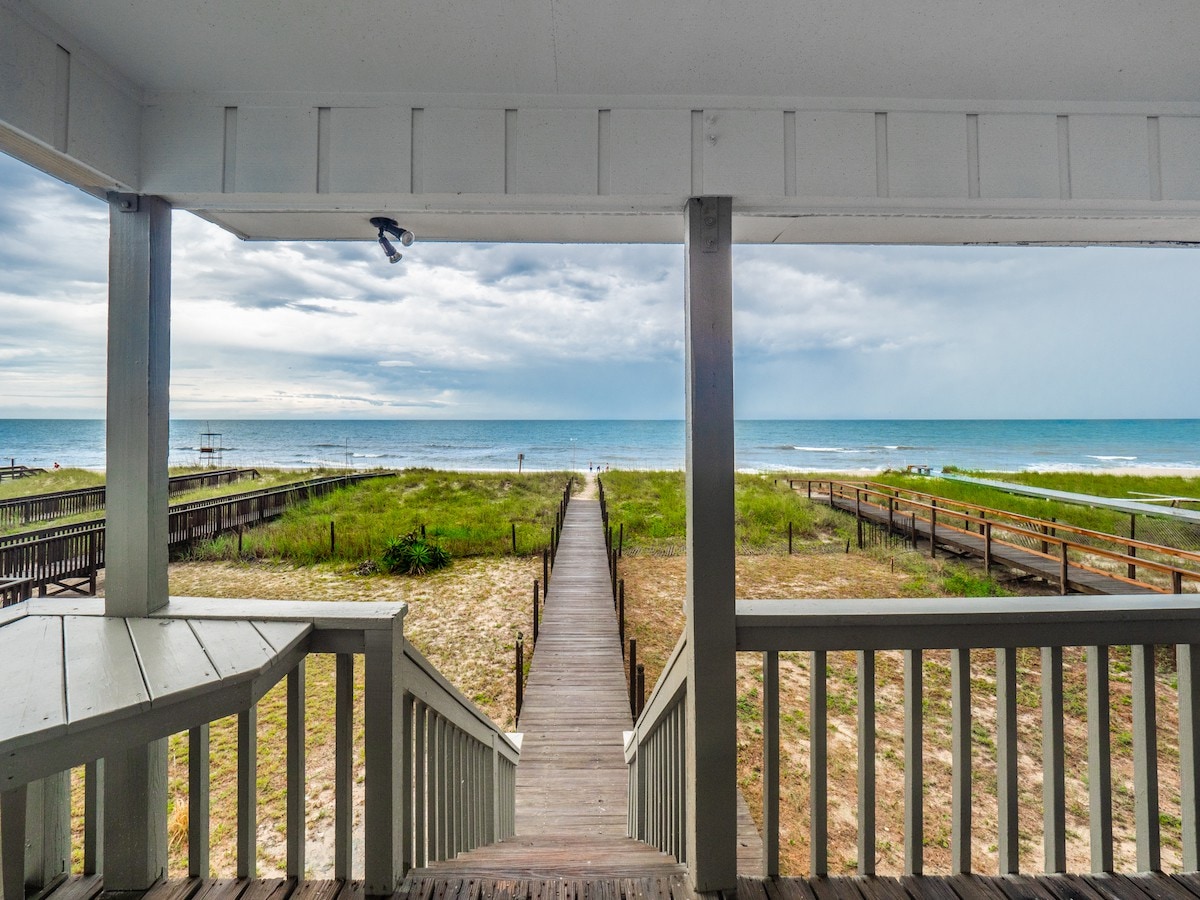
[761,446]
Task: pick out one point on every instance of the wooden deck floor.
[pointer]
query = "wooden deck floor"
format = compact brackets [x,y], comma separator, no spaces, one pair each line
[485,887]
[1079,579]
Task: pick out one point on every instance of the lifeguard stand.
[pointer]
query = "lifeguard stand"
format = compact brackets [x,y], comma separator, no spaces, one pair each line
[210,449]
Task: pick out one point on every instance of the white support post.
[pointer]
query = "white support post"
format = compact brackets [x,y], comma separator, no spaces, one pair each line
[12,843]
[139,364]
[135,817]
[48,829]
[711,697]
[385,735]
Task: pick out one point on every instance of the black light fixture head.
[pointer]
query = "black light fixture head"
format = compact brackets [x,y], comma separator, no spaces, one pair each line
[388,226]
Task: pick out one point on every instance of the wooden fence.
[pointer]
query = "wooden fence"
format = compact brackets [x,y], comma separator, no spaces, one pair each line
[58,504]
[67,558]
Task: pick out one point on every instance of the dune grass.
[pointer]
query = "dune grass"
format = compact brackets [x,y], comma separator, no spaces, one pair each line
[467,514]
[652,508]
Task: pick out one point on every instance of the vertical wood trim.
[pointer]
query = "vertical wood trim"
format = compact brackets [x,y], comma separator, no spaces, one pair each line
[866,762]
[711,695]
[343,767]
[1145,759]
[1099,760]
[417,151]
[1155,158]
[510,151]
[1064,158]
[972,164]
[62,99]
[295,772]
[93,817]
[199,787]
[323,149]
[603,151]
[139,369]
[1188,669]
[1006,761]
[818,768]
[247,793]
[421,784]
[914,776]
[960,750]
[384,725]
[789,153]
[770,772]
[13,808]
[882,188]
[229,154]
[1054,813]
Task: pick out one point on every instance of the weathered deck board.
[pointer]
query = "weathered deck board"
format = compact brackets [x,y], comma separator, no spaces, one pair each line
[582,886]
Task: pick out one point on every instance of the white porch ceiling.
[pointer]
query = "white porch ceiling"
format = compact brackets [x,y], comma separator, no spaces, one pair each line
[1055,121]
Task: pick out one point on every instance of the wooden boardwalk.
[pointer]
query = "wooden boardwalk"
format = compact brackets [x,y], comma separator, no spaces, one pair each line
[572,780]
[1044,566]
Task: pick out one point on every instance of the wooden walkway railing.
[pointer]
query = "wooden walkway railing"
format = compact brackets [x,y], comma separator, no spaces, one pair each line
[1062,554]
[68,557]
[59,504]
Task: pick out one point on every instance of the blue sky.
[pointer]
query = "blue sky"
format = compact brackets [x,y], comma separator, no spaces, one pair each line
[330,330]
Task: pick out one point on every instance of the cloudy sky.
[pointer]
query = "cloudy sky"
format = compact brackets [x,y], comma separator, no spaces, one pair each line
[312,330]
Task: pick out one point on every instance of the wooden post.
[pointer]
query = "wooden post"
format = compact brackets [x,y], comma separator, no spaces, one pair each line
[546,570]
[535,613]
[520,673]
[621,617]
[514,538]
[932,529]
[987,547]
[1063,567]
[711,740]
[912,529]
[332,539]
[789,538]
[296,770]
[1131,571]
[621,541]
[633,677]
[641,688]
[858,522]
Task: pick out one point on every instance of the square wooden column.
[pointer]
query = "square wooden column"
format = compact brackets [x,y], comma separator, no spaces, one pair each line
[139,370]
[712,696]
[135,535]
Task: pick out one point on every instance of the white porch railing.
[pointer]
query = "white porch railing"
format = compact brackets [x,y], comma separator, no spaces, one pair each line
[655,752]
[960,626]
[657,757]
[439,776]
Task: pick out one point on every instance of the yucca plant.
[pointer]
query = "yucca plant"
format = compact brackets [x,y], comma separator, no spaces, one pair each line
[411,554]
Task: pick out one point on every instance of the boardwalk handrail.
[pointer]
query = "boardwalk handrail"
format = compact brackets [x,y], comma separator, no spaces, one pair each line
[655,751]
[1026,532]
[59,504]
[914,626]
[50,556]
[439,774]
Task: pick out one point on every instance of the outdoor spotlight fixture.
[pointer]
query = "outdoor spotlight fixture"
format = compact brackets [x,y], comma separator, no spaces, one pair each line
[390,226]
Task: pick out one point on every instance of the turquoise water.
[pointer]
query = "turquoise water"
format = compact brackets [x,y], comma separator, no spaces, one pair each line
[998,445]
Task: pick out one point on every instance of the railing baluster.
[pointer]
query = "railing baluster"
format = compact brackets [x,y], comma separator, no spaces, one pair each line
[1054,815]
[247,793]
[295,772]
[199,785]
[914,781]
[1099,760]
[1188,669]
[420,785]
[406,789]
[866,762]
[343,764]
[1145,759]
[93,814]
[1006,761]
[960,713]
[770,768]
[818,758]
[443,786]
